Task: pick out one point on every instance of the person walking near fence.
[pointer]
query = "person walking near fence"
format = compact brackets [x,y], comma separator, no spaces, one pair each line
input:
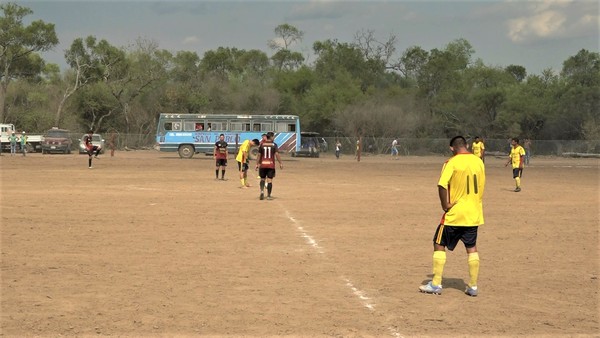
[24,143]
[460,189]
[478,148]
[265,164]
[243,157]
[13,144]
[527,147]
[220,155]
[338,149]
[515,157]
[395,148]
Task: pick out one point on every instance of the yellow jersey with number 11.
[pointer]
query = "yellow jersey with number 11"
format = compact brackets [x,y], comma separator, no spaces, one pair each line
[463,176]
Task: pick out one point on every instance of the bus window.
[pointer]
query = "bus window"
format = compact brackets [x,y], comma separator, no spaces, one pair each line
[239,126]
[266,126]
[282,127]
[220,126]
[199,126]
[256,127]
[172,126]
[189,126]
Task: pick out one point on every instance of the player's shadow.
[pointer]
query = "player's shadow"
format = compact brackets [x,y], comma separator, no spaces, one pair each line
[450,283]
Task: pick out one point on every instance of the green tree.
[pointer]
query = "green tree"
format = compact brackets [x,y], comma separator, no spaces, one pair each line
[518,72]
[90,61]
[579,104]
[18,46]
[412,62]
[286,35]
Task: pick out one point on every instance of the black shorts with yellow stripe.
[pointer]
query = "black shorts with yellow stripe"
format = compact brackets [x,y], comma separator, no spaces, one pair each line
[449,235]
[517,172]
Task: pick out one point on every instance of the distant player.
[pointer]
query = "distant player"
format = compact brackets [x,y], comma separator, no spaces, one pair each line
[220,155]
[90,147]
[460,189]
[516,158]
[478,148]
[265,163]
[242,158]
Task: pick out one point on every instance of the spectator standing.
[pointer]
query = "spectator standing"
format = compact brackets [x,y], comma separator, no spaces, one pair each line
[395,148]
[338,149]
[527,147]
[24,143]
[13,143]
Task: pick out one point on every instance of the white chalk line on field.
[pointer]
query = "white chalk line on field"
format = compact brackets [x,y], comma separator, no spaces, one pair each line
[361,295]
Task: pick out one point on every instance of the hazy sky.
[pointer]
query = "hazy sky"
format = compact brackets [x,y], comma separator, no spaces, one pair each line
[533,34]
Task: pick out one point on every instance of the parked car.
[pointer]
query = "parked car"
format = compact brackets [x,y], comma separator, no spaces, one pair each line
[56,141]
[97,140]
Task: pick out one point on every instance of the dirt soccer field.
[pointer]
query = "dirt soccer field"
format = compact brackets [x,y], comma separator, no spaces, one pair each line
[146,244]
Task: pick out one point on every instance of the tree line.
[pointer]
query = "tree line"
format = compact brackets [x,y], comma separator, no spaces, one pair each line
[358,88]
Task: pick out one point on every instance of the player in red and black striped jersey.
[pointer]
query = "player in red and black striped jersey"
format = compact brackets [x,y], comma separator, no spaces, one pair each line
[220,155]
[90,147]
[265,163]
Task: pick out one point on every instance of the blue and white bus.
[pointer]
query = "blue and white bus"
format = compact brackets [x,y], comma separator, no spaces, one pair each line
[190,134]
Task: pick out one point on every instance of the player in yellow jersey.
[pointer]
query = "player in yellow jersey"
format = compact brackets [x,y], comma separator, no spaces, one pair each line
[516,157]
[460,189]
[478,148]
[243,157]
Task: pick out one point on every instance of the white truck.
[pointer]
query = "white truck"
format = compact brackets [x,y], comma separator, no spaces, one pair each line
[34,142]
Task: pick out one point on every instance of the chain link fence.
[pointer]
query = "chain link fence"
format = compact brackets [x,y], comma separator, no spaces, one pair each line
[422,147]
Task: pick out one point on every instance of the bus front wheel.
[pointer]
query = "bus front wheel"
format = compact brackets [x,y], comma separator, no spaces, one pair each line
[186,151]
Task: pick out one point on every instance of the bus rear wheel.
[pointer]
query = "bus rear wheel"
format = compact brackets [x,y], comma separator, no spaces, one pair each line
[186,151]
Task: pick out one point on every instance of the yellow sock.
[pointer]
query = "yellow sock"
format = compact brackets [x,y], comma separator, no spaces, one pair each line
[439,260]
[243,181]
[473,262]
[518,180]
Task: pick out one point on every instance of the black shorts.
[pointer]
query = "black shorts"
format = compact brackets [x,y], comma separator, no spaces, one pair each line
[221,162]
[242,167]
[266,172]
[448,236]
[91,151]
[517,172]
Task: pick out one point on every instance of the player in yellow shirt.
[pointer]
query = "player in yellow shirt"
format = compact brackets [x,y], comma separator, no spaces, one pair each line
[460,189]
[478,148]
[243,157]
[516,157]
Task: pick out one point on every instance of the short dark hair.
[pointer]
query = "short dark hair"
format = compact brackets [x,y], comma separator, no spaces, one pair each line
[476,137]
[256,142]
[270,134]
[515,139]
[221,135]
[90,131]
[458,141]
